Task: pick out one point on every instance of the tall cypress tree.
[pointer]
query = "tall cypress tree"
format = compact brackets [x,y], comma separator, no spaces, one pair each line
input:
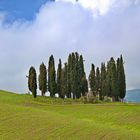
[32,85]
[43,79]
[59,78]
[92,79]
[82,77]
[121,77]
[103,81]
[118,76]
[64,87]
[84,85]
[72,75]
[98,82]
[76,77]
[114,87]
[108,80]
[52,87]
[69,69]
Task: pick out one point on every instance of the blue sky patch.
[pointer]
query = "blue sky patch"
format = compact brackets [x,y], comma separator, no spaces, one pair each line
[20,10]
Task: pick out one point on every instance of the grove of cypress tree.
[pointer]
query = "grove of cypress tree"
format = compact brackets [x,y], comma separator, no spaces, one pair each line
[32,84]
[52,87]
[107,81]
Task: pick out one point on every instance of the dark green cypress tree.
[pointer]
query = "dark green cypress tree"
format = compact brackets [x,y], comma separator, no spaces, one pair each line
[82,77]
[73,75]
[92,79]
[64,87]
[108,80]
[32,84]
[52,87]
[76,77]
[84,85]
[98,82]
[121,78]
[69,69]
[118,76]
[43,79]
[59,78]
[103,81]
[74,72]
[69,76]
[114,87]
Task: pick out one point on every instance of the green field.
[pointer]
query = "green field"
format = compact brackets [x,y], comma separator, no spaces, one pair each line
[25,118]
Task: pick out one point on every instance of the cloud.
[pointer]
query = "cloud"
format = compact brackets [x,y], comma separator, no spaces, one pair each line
[60,28]
[97,6]
[102,7]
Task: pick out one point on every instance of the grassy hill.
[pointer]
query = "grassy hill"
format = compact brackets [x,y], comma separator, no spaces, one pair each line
[25,118]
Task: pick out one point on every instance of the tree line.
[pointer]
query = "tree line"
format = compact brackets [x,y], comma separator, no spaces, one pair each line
[70,81]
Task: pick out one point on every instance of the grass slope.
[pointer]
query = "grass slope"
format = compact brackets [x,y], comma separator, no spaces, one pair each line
[25,118]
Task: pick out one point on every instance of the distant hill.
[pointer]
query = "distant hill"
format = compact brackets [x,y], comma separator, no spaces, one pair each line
[133,96]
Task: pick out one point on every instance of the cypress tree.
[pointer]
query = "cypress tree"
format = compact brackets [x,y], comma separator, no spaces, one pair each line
[76,77]
[121,78]
[32,85]
[108,80]
[98,82]
[59,78]
[84,85]
[43,79]
[72,75]
[92,80]
[103,81]
[82,77]
[52,87]
[64,89]
[114,87]
[74,72]
[69,69]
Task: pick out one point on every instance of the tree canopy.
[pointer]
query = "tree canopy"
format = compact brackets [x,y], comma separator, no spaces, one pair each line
[70,81]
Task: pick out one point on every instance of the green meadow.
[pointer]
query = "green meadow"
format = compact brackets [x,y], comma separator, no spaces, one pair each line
[24,118]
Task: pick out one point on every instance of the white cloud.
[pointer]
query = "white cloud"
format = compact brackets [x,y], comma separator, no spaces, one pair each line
[102,7]
[60,28]
[97,6]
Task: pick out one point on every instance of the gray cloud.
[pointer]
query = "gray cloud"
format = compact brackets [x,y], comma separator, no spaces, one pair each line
[60,28]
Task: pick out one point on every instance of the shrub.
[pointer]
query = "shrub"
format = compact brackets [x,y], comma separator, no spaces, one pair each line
[107,99]
[91,99]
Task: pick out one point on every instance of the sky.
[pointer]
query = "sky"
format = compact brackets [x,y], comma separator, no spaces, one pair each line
[30,31]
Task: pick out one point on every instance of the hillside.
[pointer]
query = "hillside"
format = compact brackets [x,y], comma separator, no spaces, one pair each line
[133,96]
[22,117]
